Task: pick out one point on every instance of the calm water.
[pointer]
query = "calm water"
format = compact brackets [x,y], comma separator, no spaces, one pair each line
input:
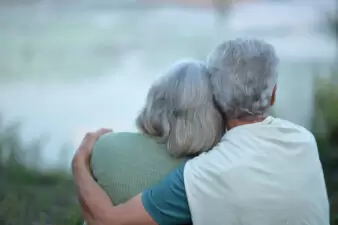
[64,71]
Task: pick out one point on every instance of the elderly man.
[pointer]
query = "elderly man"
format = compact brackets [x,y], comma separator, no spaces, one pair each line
[264,171]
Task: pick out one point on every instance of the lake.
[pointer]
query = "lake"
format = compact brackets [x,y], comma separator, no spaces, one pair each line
[68,70]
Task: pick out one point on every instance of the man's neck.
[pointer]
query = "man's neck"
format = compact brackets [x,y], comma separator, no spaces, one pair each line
[238,122]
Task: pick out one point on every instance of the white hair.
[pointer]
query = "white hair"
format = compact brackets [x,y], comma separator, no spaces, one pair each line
[243,76]
[180,111]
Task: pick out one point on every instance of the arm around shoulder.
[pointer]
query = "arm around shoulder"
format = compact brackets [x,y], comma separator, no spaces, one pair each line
[129,213]
[165,204]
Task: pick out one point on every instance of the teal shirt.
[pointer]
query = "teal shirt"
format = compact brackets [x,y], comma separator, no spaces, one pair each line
[167,202]
[126,164]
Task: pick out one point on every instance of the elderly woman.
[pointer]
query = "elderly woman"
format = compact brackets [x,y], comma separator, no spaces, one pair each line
[179,120]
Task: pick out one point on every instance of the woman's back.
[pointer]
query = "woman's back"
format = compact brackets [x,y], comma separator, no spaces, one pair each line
[125,164]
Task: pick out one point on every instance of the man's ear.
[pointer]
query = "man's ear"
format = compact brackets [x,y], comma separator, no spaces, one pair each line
[273,97]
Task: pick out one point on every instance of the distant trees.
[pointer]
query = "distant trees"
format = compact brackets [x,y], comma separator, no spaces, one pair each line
[325,128]
[28,195]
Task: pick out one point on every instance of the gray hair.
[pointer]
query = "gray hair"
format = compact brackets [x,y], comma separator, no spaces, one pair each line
[243,76]
[180,111]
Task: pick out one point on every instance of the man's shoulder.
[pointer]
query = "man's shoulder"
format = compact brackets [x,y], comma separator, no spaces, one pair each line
[302,131]
[271,126]
[238,145]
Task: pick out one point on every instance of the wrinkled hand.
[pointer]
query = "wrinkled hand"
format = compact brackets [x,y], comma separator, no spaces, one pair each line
[84,152]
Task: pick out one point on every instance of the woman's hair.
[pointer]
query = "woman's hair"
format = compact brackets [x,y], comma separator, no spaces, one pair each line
[180,111]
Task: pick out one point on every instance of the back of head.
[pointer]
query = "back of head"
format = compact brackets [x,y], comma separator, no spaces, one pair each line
[243,77]
[180,112]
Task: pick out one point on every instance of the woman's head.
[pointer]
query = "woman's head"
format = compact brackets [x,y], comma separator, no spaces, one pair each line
[180,110]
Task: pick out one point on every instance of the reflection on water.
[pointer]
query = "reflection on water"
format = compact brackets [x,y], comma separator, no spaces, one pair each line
[64,72]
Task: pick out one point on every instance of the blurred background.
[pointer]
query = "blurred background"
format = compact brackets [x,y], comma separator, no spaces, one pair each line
[68,67]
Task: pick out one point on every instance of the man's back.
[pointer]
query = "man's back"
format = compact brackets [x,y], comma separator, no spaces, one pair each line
[265,173]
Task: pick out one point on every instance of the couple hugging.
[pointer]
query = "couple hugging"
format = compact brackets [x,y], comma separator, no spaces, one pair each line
[207,152]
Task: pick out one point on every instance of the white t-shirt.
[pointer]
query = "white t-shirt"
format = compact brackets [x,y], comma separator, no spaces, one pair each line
[265,173]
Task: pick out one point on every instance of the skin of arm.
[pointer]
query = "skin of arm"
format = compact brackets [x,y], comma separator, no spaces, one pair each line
[96,205]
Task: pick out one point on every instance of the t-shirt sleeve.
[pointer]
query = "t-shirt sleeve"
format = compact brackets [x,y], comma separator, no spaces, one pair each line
[167,202]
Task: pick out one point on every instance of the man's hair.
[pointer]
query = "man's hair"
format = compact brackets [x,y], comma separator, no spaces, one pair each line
[180,111]
[243,76]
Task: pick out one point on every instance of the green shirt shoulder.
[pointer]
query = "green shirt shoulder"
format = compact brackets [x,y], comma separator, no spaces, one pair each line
[125,164]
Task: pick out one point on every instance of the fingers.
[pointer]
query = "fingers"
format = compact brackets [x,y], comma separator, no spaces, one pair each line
[91,137]
[95,135]
[85,149]
[103,131]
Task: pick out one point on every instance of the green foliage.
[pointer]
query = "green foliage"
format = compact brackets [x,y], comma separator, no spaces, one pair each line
[325,127]
[333,23]
[27,195]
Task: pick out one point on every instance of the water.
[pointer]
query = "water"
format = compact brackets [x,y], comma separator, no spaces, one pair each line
[68,71]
